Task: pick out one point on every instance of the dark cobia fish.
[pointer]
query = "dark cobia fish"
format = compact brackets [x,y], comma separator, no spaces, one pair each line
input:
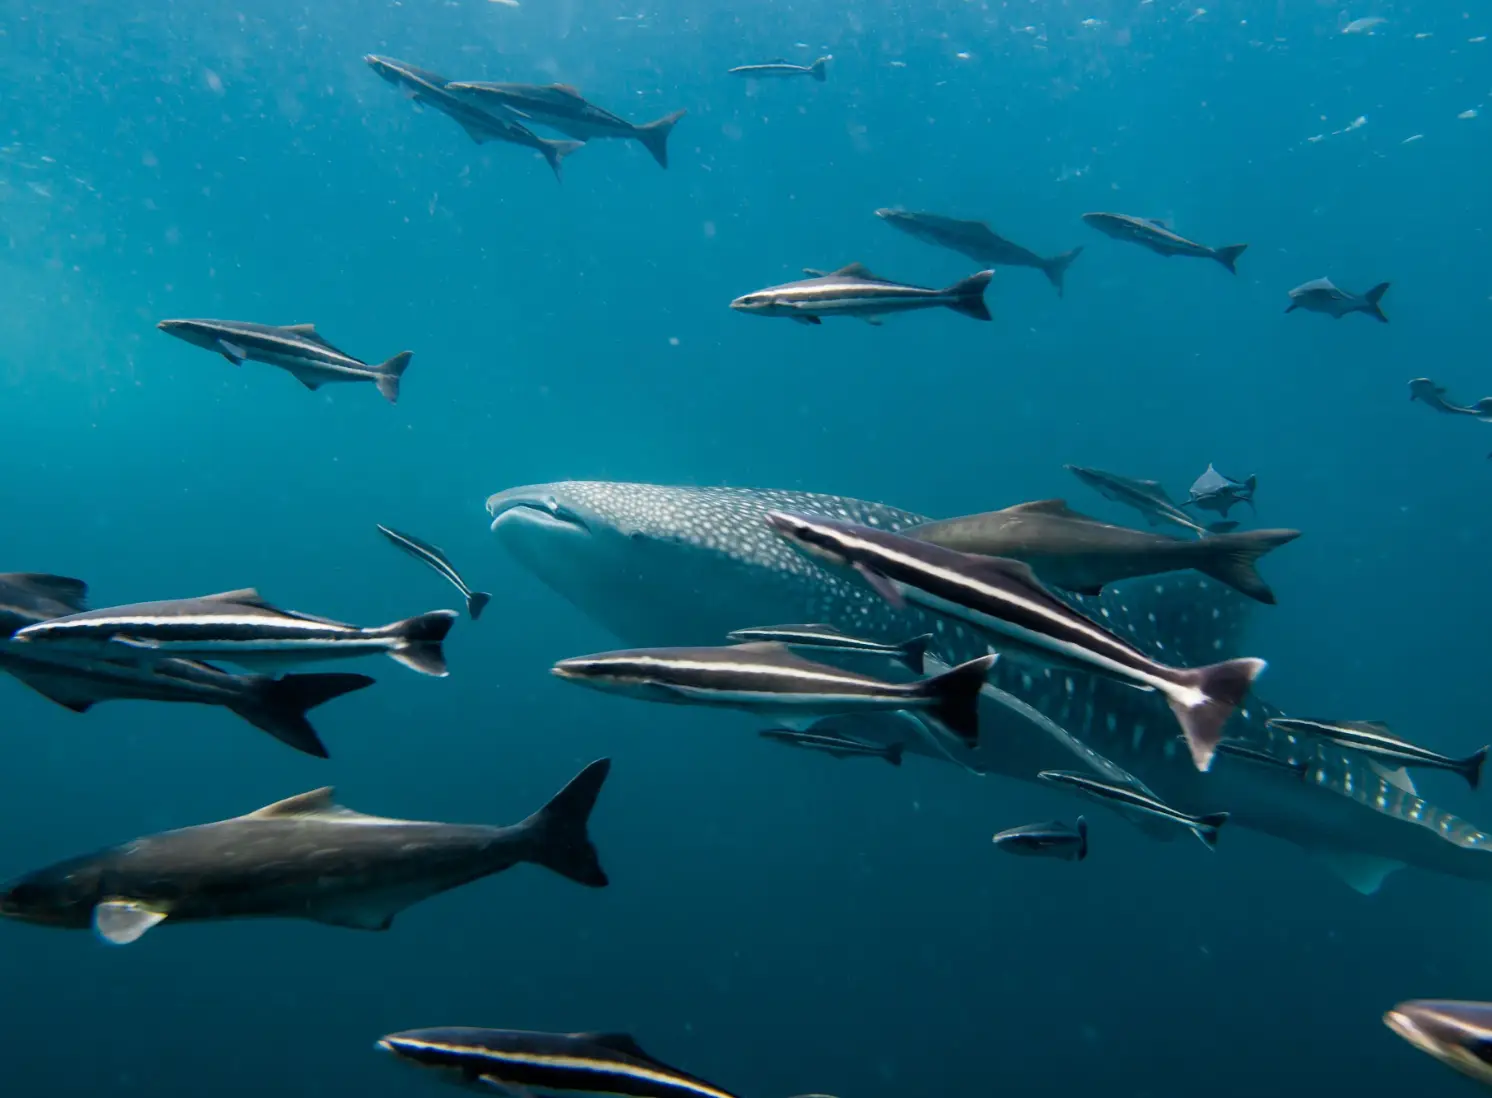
[1157,236]
[979,242]
[238,627]
[854,292]
[770,679]
[295,348]
[1004,598]
[515,1062]
[305,857]
[432,557]
[1457,1033]
[1127,799]
[1377,739]
[1320,296]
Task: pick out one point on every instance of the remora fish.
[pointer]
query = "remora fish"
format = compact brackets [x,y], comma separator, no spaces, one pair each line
[516,1062]
[1158,237]
[277,706]
[562,108]
[979,242]
[1375,738]
[240,627]
[853,291]
[1145,496]
[701,556]
[1126,799]
[1046,840]
[481,125]
[838,747]
[30,597]
[769,678]
[1434,396]
[1004,598]
[781,67]
[909,653]
[305,857]
[430,555]
[1320,296]
[1214,492]
[1263,758]
[1457,1033]
[295,348]
[1080,554]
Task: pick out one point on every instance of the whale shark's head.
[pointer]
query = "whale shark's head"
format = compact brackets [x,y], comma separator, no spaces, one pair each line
[666,565]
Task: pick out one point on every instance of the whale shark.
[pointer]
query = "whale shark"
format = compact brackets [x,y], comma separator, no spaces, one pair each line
[662,565]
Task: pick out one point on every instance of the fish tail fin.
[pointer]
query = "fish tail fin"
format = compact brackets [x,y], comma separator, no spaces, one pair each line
[955,697]
[967,295]
[476,602]
[1208,826]
[1055,268]
[913,654]
[559,831]
[389,374]
[1082,825]
[816,70]
[556,151]
[1470,767]
[654,136]
[1373,297]
[279,706]
[895,752]
[1223,687]
[1228,256]
[1233,559]
[419,639]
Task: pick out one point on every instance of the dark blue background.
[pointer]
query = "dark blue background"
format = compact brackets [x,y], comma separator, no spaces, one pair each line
[777,924]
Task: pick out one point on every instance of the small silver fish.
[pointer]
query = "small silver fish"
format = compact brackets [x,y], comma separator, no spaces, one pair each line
[476,601]
[838,747]
[781,67]
[1157,236]
[1321,296]
[1046,840]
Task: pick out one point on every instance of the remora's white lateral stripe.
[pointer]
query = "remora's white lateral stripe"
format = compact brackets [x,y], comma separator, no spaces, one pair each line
[300,350]
[122,624]
[1128,797]
[574,1063]
[663,669]
[1144,670]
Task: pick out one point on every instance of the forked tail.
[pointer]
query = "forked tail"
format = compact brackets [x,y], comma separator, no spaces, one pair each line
[967,295]
[279,706]
[1056,267]
[389,374]
[1373,297]
[654,136]
[1233,559]
[559,830]
[1228,256]
[556,151]
[1223,687]
[419,640]
[955,697]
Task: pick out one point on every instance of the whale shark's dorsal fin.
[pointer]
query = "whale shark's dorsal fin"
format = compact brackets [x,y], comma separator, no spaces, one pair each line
[315,803]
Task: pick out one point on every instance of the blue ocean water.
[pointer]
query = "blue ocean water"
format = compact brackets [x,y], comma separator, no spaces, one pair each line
[777,924]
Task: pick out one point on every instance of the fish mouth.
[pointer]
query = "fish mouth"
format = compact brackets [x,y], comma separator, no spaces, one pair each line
[538,508]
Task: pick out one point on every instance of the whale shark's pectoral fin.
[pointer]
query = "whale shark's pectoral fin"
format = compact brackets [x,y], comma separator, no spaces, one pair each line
[120,922]
[354,918]
[1363,873]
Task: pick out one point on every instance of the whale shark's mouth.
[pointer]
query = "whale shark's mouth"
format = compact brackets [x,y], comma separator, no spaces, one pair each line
[536,508]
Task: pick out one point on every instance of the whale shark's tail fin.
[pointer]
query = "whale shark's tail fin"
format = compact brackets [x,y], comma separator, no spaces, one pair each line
[560,839]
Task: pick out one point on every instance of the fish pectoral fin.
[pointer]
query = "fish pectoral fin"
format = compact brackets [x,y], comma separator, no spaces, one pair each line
[135,645]
[1363,873]
[476,135]
[120,921]
[309,383]
[873,321]
[881,585]
[232,352]
[807,318]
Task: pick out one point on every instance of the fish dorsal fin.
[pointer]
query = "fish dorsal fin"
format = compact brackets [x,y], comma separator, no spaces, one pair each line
[763,647]
[566,89]
[1043,507]
[244,596]
[624,1043]
[1378,728]
[308,331]
[1007,569]
[1398,778]
[72,592]
[1159,223]
[855,270]
[314,803]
